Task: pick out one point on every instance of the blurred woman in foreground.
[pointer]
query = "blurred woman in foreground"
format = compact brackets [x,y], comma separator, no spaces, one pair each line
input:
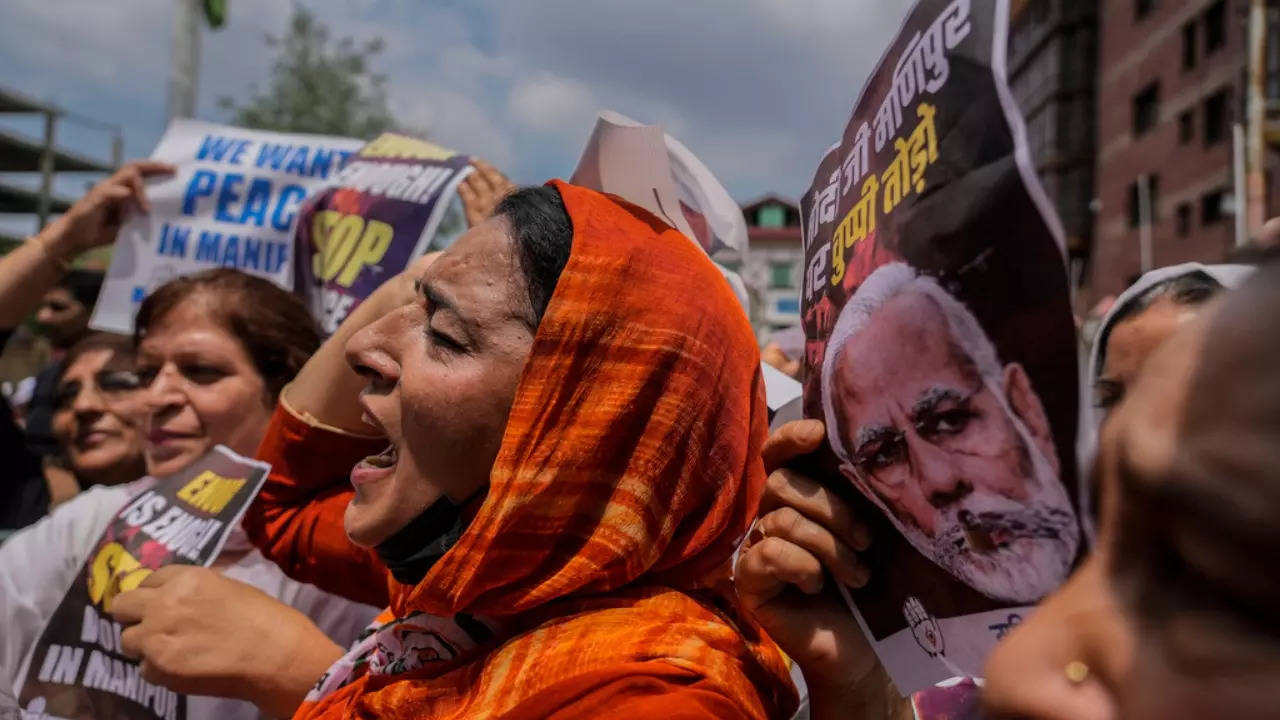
[560,452]
[1171,617]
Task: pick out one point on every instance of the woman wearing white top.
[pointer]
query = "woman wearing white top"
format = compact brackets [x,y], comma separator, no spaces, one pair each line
[214,350]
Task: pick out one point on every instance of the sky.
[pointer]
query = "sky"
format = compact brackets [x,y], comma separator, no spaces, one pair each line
[756,88]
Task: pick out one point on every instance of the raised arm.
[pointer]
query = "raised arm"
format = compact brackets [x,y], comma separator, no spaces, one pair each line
[316,436]
[28,272]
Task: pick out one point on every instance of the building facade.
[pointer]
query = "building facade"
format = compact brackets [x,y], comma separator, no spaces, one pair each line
[1171,88]
[1052,73]
[771,268]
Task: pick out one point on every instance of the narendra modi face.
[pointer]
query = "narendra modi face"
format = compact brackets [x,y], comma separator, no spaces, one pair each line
[954,447]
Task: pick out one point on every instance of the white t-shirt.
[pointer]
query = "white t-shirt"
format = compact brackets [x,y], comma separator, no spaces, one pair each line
[39,563]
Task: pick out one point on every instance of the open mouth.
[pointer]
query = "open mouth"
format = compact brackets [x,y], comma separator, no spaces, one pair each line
[981,537]
[384,459]
[375,467]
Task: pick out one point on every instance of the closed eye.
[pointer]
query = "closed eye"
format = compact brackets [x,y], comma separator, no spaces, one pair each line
[444,340]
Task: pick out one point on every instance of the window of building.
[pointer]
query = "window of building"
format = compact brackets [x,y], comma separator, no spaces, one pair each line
[787,305]
[1211,207]
[1189,51]
[780,275]
[1215,27]
[1184,219]
[1146,109]
[1215,118]
[771,216]
[1143,8]
[1186,127]
[1135,200]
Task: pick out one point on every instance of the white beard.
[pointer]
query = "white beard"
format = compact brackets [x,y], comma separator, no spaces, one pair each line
[1026,568]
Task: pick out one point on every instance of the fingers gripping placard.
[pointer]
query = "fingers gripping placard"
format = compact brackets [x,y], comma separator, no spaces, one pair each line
[78,667]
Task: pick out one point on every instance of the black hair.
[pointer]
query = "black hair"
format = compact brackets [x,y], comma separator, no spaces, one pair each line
[84,286]
[1193,288]
[543,234]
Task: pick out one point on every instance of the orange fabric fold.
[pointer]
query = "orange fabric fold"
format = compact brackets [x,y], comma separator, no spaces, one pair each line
[629,470]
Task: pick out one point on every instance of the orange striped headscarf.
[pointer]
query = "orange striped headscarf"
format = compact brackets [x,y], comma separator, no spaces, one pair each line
[629,470]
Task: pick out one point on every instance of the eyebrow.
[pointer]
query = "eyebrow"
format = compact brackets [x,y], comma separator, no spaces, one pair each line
[871,434]
[437,299]
[935,396]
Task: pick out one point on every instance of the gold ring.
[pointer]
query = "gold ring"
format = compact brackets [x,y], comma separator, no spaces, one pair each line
[1076,672]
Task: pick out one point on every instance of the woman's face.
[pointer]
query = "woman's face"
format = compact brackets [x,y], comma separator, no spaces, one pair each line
[202,389]
[1132,341]
[442,373]
[1086,620]
[97,414]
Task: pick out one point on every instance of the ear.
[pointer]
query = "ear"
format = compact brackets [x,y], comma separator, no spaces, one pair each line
[1026,405]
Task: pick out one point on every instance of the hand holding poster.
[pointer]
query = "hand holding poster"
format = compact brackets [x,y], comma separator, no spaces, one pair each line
[940,349]
[384,211]
[78,668]
[232,203]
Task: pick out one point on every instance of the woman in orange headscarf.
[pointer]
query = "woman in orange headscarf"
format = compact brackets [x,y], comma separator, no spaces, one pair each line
[575,418]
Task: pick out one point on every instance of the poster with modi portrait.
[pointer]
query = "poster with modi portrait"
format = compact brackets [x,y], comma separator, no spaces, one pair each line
[940,348]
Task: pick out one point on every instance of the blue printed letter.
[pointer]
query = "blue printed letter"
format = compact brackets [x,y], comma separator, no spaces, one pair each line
[227,196]
[201,186]
[290,197]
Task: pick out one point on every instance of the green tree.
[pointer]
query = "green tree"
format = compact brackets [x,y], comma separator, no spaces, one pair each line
[317,85]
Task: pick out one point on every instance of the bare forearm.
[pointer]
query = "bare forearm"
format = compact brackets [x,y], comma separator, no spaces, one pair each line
[327,388]
[28,272]
[280,691]
[874,697]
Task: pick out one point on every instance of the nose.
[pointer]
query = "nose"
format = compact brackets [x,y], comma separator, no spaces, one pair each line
[369,353]
[165,390]
[87,400]
[940,482]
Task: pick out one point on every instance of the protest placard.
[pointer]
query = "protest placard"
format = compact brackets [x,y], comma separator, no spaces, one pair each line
[649,168]
[940,348]
[77,668]
[385,209]
[232,203]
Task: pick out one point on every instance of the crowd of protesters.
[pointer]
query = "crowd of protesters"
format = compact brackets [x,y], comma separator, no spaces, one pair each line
[533,451]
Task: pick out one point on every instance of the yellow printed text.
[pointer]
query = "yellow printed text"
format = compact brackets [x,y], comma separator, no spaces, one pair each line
[210,491]
[347,244]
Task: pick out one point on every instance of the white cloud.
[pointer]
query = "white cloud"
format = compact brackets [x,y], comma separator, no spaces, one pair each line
[757,88]
[548,103]
[456,121]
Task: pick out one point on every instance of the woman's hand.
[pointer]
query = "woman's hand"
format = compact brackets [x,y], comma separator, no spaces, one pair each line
[804,528]
[482,190]
[202,633]
[28,272]
[94,219]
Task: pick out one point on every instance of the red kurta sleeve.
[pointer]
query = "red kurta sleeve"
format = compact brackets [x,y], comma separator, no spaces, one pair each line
[296,520]
[652,693]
